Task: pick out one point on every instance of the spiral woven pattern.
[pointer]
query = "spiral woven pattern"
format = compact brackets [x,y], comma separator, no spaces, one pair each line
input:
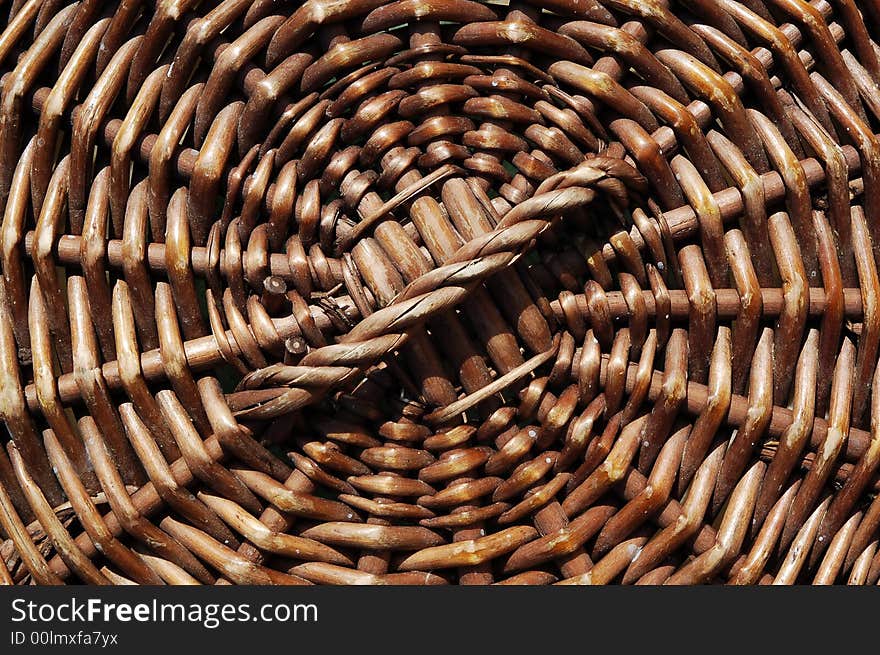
[439,291]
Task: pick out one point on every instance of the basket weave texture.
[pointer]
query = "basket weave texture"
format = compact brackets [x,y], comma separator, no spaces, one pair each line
[439,291]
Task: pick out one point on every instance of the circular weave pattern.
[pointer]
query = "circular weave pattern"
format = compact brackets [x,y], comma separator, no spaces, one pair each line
[439,291]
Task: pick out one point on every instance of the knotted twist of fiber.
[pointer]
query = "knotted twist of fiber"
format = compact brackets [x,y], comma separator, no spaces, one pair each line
[444,287]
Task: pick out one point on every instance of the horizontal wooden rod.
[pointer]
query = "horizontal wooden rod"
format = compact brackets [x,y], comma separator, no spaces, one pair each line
[682,223]
[201,354]
[698,398]
[727,303]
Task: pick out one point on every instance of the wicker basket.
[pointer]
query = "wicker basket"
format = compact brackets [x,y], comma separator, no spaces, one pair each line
[440,291]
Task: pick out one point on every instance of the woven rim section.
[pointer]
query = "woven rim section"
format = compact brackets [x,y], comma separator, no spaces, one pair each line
[439,292]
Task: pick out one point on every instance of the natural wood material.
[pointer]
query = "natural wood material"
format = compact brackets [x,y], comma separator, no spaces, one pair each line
[446,292]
